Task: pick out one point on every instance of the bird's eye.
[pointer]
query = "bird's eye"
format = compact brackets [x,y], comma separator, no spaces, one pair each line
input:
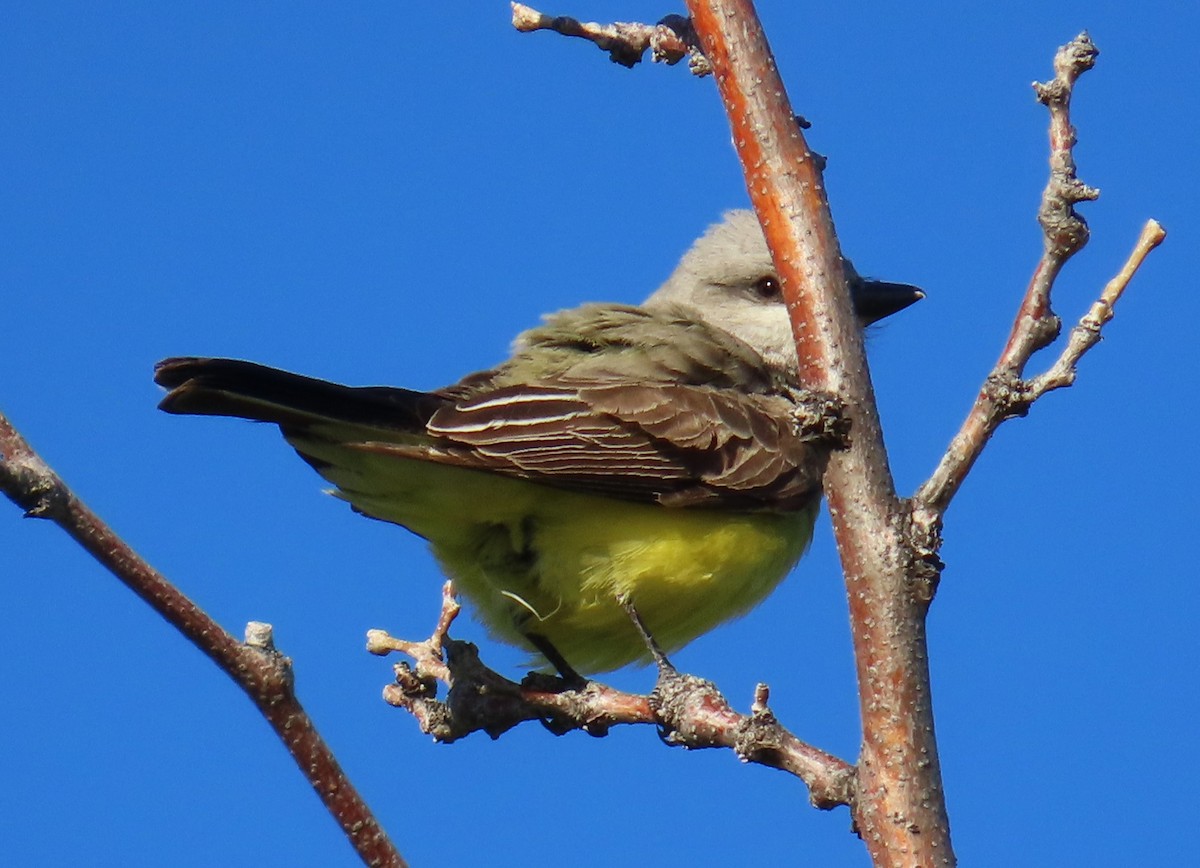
[767,287]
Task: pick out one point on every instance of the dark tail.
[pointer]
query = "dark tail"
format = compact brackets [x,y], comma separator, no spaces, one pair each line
[229,387]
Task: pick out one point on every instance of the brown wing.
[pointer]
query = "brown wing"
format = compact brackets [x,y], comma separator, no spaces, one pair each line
[671,444]
[666,443]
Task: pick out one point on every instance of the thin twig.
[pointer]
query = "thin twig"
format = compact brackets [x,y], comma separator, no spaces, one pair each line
[689,711]
[1087,332]
[1005,393]
[260,670]
[669,41]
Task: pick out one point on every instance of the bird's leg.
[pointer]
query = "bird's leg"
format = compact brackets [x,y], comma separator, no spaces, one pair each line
[671,687]
[546,648]
[656,653]
[679,701]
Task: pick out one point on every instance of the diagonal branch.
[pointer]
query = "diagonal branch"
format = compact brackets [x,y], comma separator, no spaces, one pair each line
[1087,332]
[261,671]
[690,712]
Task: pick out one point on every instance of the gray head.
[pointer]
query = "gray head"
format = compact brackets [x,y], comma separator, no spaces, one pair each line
[729,277]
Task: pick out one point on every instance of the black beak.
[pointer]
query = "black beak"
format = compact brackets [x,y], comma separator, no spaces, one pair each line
[876,299]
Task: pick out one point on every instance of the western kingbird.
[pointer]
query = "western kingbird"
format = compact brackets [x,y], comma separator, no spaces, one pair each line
[645,455]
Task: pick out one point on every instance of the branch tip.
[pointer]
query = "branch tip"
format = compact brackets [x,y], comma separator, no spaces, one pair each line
[260,635]
[1088,331]
[669,41]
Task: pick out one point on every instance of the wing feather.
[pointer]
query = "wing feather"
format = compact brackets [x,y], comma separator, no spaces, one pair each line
[593,400]
[666,443]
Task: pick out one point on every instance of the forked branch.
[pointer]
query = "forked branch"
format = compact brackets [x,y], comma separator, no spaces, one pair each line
[1087,332]
[1006,393]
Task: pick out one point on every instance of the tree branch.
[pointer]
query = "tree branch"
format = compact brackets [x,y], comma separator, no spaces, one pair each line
[669,41]
[889,548]
[1005,394]
[900,807]
[1087,332]
[261,671]
[689,711]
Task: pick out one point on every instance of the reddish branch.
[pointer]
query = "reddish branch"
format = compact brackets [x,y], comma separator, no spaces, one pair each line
[689,711]
[900,807]
[261,671]
[1006,394]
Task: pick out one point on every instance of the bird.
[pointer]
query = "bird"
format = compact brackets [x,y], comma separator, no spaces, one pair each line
[647,457]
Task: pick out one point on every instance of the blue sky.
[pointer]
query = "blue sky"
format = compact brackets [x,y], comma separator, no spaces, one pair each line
[378,194]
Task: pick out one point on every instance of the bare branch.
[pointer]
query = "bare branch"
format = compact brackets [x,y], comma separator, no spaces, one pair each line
[669,41]
[900,810]
[1086,334]
[261,671]
[1005,394]
[1066,232]
[689,711]
[428,654]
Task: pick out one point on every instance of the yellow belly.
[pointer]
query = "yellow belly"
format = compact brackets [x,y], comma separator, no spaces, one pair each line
[557,563]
